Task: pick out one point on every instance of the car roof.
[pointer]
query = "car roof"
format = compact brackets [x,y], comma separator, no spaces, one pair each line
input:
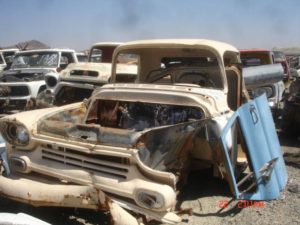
[9,50]
[106,44]
[254,50]
[47,50]
[217,46]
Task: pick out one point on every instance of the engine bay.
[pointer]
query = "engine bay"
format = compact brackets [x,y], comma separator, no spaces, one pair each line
[140,115]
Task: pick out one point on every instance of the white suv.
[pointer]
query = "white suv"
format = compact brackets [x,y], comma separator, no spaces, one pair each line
[20,85]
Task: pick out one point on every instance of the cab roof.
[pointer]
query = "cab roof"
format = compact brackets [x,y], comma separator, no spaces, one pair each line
[106,44]
[47,50]
[217,46]
[254,50]
[9,50]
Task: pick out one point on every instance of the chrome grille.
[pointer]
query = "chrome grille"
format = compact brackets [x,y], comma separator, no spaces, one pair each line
[103,164]
[19,91]
[13,105]
[14,91]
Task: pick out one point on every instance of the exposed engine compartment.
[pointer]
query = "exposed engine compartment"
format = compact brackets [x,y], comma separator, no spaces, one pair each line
[20,76]
[140,115]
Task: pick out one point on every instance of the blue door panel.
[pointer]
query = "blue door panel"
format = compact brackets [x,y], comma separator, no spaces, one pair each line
[273,142]
[259,132]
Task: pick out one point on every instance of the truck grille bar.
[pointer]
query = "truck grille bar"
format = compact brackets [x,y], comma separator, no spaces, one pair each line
[106,165]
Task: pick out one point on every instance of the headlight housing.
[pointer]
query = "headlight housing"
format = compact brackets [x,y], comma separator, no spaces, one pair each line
[51,80]
[14,133]
[149,199]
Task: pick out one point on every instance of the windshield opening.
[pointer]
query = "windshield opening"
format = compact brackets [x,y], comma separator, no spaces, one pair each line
[68,94]
[102,54]
[175,66]
[255,59]
[35,60]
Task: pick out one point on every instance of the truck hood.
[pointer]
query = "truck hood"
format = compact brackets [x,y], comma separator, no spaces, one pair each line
[22,75]
[213,101]
[86,72]
[94,73]
[33,116]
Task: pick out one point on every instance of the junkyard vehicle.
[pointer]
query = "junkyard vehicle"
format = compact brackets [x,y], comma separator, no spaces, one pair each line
[20,85]
[130,148]
[279,57]
[102,52]
[78,81]
[294,62]
[272,85]
[99,53]
[6,57]
[82,57]
[291,112]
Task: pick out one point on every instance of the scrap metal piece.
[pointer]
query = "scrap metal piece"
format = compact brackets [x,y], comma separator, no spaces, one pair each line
[120,216]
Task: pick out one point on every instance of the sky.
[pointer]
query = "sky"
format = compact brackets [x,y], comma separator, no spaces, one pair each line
[77,24]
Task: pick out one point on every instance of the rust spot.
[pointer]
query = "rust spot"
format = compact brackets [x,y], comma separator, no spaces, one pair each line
[105,206]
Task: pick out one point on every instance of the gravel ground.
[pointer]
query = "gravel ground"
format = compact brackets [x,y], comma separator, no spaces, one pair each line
[283,211]
[203,195]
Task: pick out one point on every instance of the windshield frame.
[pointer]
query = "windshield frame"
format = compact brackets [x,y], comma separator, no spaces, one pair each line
[29,56]
[151,59]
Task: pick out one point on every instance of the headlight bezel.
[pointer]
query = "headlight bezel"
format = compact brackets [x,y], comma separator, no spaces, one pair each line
[142,195]
[15,133]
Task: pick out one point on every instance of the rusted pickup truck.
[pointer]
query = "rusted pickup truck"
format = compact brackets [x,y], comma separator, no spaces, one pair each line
[130,148]
[270,70]
[291,112]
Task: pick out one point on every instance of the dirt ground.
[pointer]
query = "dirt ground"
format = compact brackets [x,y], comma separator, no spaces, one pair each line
[204,195]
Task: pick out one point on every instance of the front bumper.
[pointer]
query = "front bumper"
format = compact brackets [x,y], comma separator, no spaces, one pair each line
[41,194]
[77,196]
[10,105]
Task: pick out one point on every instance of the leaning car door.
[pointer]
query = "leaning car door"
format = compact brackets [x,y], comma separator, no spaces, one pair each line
[264,174]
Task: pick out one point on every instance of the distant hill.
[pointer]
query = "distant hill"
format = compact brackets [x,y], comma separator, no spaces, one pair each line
[28,45]
[289,50]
